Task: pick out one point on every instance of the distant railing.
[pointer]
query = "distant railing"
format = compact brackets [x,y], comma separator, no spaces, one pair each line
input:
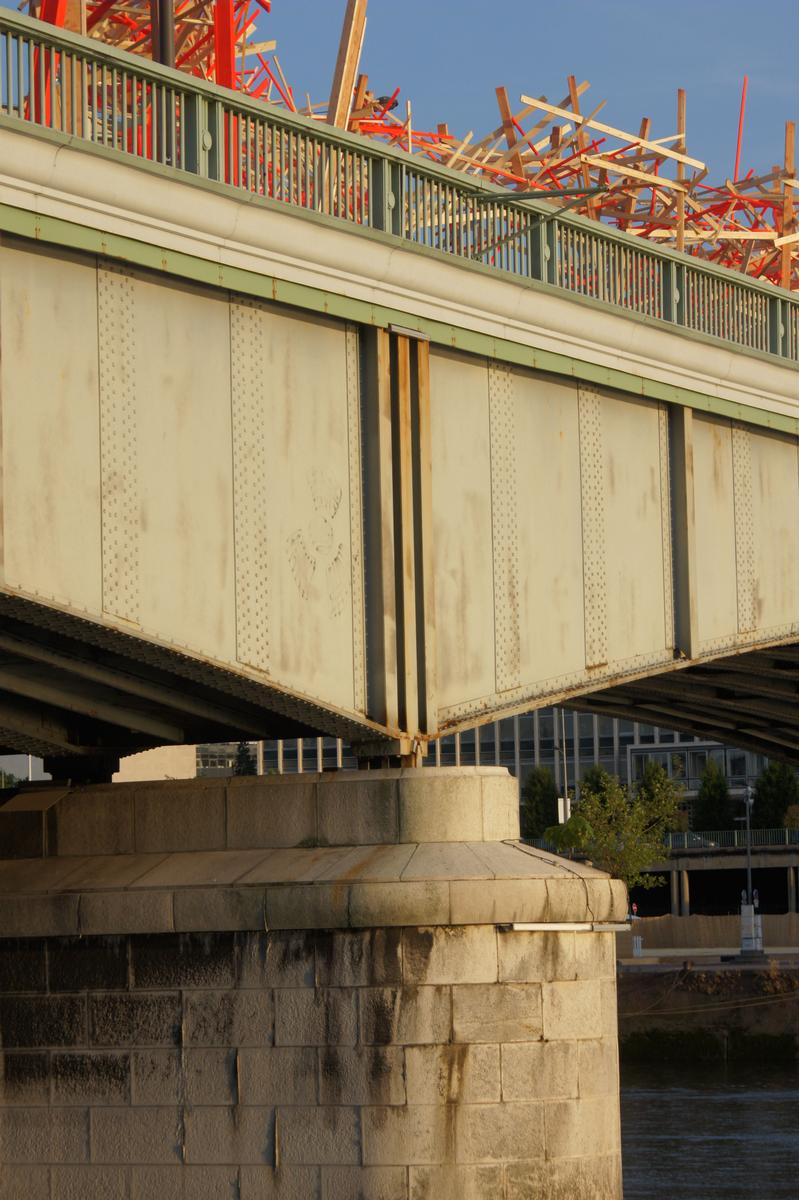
[86,90]
[714,839]
[731,839]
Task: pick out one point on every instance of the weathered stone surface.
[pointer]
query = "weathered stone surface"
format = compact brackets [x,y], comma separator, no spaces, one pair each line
[499,1012]
[362,958]
[31,1021]
[406,1016]
[526,957]
[323,1017]
[230,1135]
[499,1132]
[89,1183]
[136,1135]
[449,954]
[219,909]
[592,1123]
[183,961]
[211,1076]
[24,1078]
[280,812]
[407,1135]
[599,1068]
[24,1183]
[241,1018]
[39,916]
[87,964]
[94,820]
[400,903]
[156,1077]
[278,1075]
[23,965]
[283,1183]
[572,1010]
[125,912]
[323,1135]
[163,816]
[277,959]
[128,1020]
[367,1183]
[43,1135]
[350,814]
[500,808]
[457,1183]
[499,901]
[465,1074]
[90,1079]
[448,809]
[361,1075]
[540,1070]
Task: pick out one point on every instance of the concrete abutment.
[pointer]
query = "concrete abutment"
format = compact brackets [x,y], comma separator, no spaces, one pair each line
[303,988]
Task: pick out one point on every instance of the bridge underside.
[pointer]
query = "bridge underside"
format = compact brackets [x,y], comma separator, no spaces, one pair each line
[749,700]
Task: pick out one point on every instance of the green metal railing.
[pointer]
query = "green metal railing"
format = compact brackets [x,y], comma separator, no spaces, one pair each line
[85,90]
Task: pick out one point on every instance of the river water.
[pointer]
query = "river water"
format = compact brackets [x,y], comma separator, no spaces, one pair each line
[709,1133]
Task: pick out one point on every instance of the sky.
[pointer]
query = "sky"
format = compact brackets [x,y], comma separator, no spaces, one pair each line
[449,55]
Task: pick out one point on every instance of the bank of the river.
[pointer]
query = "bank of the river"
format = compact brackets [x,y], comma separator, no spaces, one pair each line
[724,1013]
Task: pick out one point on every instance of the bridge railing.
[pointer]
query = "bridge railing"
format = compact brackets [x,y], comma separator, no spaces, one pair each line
[89,91]
[712,839]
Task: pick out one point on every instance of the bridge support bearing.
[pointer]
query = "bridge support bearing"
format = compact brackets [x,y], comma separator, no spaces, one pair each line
[344,1013]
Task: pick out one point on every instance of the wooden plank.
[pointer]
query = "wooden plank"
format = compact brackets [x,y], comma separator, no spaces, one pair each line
[787,224]
[349,56]
[619,168]
[511,137]
[680,169]
[587,122]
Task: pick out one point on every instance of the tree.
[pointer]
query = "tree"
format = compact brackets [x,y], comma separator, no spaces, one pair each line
[713,807]
[539,806]
[776,791]
[622,830]
[244,764]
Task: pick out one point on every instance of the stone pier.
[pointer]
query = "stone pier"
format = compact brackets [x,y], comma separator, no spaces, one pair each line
[302,988]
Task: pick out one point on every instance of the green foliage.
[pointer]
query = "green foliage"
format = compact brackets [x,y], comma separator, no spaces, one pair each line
[776,791]
[574,834]
[792,817]
[244,764]
[713,807]
[620,830]
[539,803]
[628,826]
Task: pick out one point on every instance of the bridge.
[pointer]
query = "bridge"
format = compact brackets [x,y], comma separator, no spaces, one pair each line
[301,435]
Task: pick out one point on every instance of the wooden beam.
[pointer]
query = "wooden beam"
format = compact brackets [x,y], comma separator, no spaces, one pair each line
[349,56]
[680,168]
[517,166]
[786,252]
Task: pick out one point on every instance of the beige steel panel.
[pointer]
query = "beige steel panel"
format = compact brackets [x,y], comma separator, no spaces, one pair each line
[549,527]
[744,530]
[775,525]
[464,588]
[50,426]
[185,467]
[307,403]
[119,465]
[637,593]
[716,592]
[593,486]
[503,409]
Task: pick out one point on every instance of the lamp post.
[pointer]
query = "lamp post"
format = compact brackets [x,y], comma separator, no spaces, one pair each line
[749,800]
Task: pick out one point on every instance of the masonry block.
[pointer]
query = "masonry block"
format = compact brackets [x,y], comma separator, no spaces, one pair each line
[125,912]
[407,1135]
[120,1019]
[278,1075]
[598,1068]
[39,916]
[24,1078]
[93,820]
[230,1135]
[33,1021]
[278,959]
[23,965]
[457,1183]
[24,1183]
[592,1123]
[499,1132]
[447,809]
[279,813]
[500,807]
[449,954]
[403,903]
[532,957]
[367,1183]
[90,1078]
[283,1183]
[350,814]
[156,1077]
[463,1074]
[240,1018]
[540,1070]
[164,814]
[220,908]
[210,1076]
[136,1135]
[183,960]
[89,1183]
[44,1135]
[362,958]
[324,1135]
[500,1012]
[408,1016]
[361,1075]
[572,1010]
[87,964]
[323,1017]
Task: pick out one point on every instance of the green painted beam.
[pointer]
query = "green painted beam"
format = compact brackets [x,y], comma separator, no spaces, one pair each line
[71,236]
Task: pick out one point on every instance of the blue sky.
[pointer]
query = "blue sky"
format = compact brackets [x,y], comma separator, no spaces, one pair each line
[449,55]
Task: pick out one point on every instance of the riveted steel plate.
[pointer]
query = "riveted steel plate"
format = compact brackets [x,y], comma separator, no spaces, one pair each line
[250,469]
[744,530]
[119,450]
[356,520]
[592,491]
[665,526]
[716,578]
[504,518]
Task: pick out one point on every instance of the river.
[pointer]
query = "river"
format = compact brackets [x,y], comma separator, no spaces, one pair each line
[709,1133]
